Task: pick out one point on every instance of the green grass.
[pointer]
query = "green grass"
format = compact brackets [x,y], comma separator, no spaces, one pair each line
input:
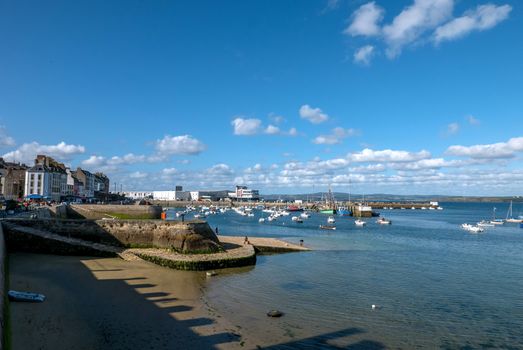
[123,216]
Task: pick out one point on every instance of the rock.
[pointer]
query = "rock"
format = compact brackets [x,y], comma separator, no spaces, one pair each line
[275,313]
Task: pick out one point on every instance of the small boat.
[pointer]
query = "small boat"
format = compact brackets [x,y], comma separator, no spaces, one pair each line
[413,208]
[439,208]
[261,220]
[383,221]
[485,223]
[331,220]
[293,208]
[497,222]
[297,219]
[476,229]
[305,215]
[510,218]
[359,222]
[327,227]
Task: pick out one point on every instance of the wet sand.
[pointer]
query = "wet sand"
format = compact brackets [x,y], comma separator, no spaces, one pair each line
[108,303]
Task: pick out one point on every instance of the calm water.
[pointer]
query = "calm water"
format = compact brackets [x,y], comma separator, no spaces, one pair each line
[437,285]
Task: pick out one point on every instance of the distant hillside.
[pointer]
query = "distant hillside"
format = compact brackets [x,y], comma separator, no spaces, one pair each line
[376,197]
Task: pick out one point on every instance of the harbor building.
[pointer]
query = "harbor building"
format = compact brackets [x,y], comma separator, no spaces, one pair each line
[243,193]
[12,179]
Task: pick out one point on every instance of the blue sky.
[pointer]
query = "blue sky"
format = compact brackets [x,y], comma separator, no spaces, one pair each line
[417,97]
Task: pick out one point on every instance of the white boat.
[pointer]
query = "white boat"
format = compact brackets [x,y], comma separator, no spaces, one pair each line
[328,227]
[509,217]
[261,220]
[331,220]
[423,208]
[295,218]
[359,222]
[383,221]
[305,215]
[413,208]
[472,228]
[495,221]
[439,208]
[485,223]
[476,229]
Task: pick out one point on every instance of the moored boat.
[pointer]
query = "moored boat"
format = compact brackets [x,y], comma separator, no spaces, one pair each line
[359,222]
[327,227]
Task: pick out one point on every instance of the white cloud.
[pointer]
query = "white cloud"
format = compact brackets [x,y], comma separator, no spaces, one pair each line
[293,132]
[314,115]
[452,128]
[365,20]
[181,145]
[364,54]
[246,126]
[5,139]
[94,161]
[27,152]
[388,155]
[183,161]
[337,135]
[490,151]
[169,172]
[472,120]
[220,169]
[482,18]
[272,130]
[138,175]
[414,21]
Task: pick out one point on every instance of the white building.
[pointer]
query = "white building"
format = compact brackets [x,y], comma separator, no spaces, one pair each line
[46,178]
[138,194]
[243,193]
[172,195]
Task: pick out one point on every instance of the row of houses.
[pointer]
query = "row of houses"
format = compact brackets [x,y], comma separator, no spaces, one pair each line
[52,180]
[242,193]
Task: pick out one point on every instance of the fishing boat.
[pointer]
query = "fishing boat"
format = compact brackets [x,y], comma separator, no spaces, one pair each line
[330,204]
[331,220]
[509,217]
[359,222]
[327,227]
[292,208]
[344,212]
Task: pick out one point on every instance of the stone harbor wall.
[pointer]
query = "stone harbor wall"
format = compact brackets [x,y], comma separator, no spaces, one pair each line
[186,237]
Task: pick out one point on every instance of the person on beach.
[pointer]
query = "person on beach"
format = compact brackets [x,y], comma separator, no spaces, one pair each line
[246,241]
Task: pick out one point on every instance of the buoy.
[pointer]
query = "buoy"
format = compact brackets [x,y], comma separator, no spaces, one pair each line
[373,307]
[275,313]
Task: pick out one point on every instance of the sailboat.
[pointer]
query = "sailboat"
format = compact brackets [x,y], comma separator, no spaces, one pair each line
[509,217]
[495,221]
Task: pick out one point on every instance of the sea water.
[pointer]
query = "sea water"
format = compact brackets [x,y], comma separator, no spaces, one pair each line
[433,284]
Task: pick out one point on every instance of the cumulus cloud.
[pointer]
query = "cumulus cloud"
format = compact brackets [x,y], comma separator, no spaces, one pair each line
[272,130]
[220,169]
[364,54]
[5,139]
[414,21]
[244,126]
[365,20]
[337,135]
[388,155]
[481,18]
[179,145]
[27,152]
[491,151]
[314,115]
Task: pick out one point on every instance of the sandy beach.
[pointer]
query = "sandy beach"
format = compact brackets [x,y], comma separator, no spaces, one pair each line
[108,303]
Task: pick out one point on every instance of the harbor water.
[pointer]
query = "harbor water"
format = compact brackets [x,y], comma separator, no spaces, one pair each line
[432,284]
